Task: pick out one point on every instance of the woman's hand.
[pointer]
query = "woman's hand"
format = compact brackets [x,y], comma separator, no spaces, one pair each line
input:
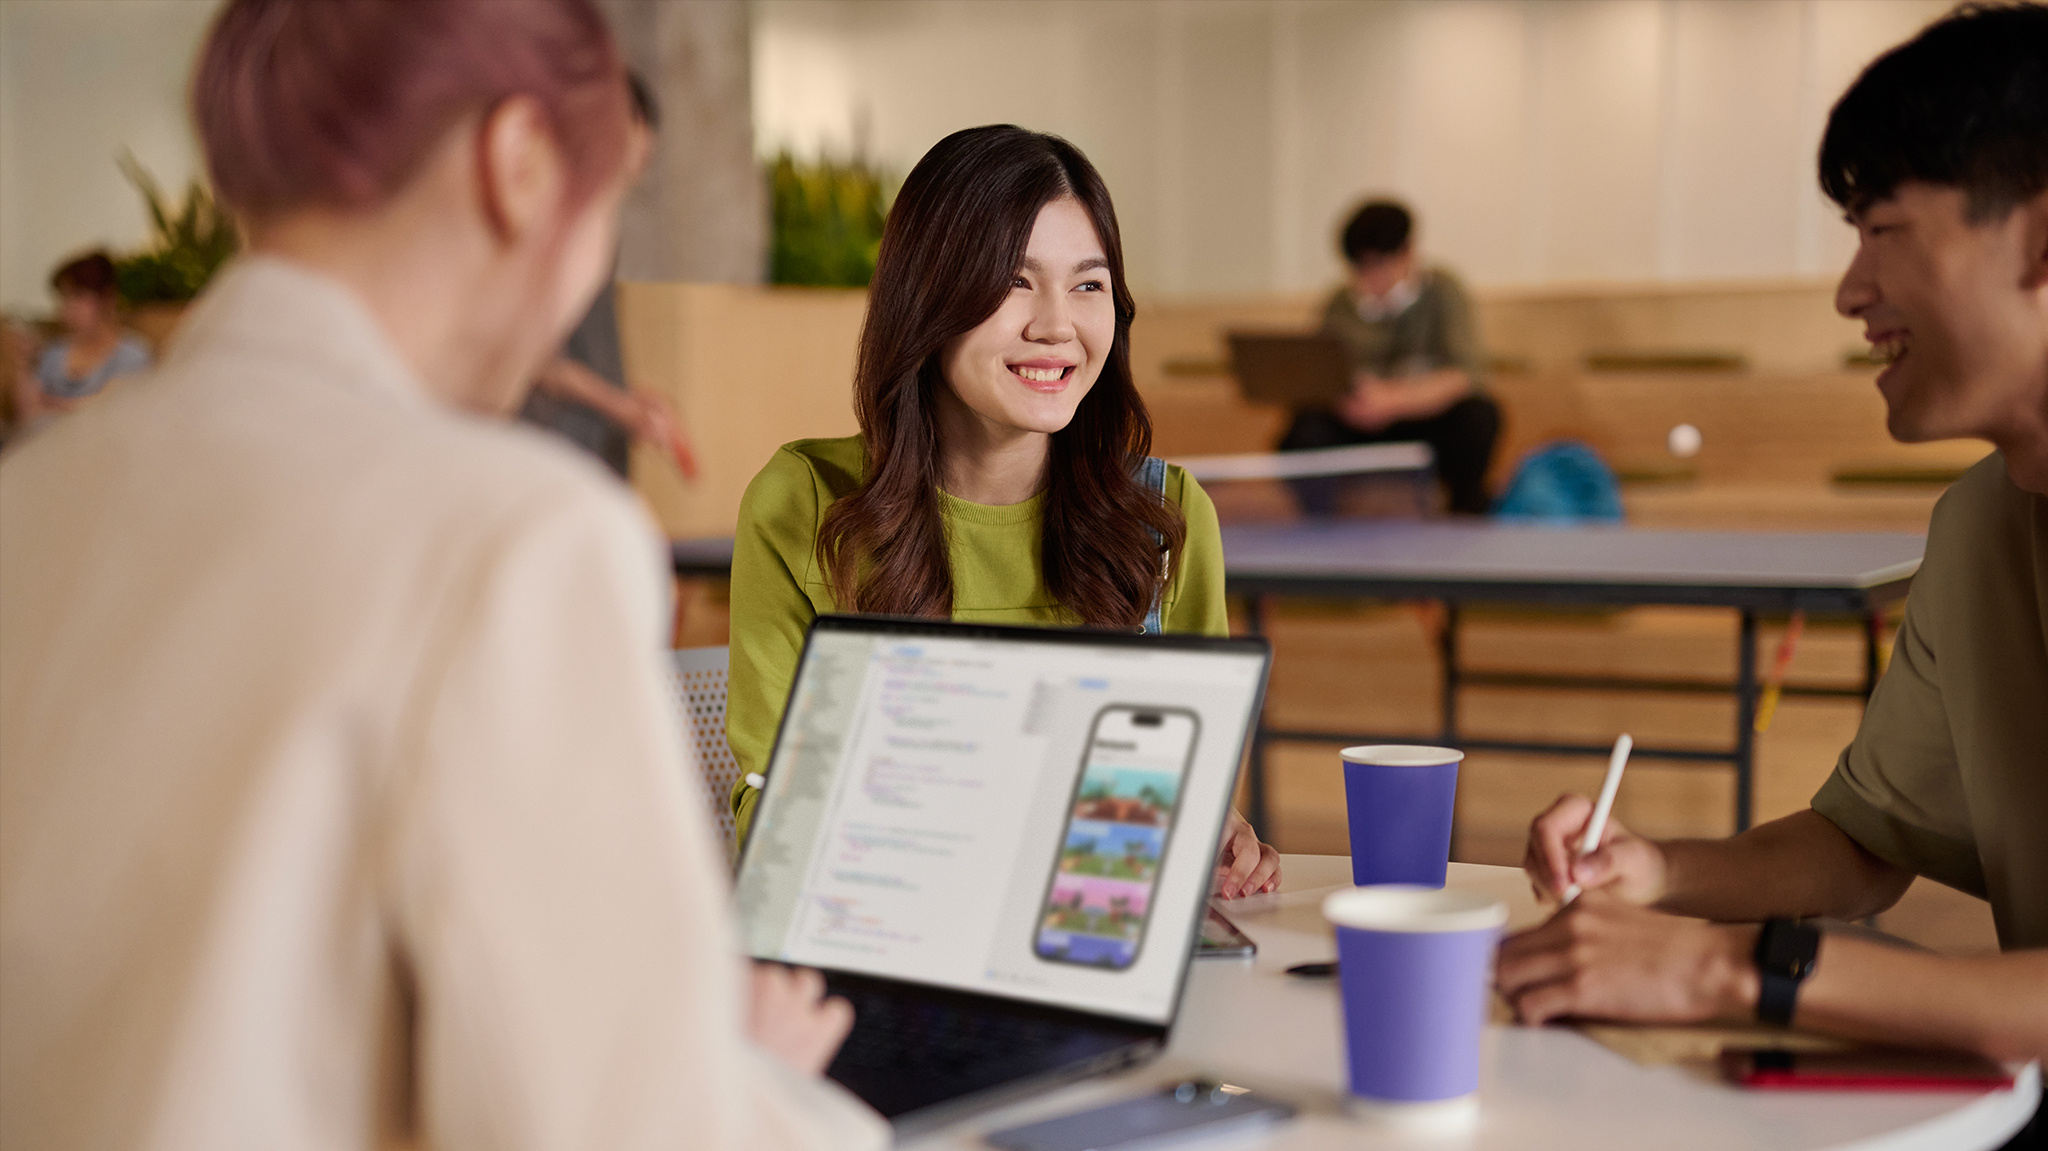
[1624,864]
[789,1017]
[1244,866]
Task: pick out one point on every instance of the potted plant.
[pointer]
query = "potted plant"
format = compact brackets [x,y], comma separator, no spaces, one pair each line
[827,222]
[190,241]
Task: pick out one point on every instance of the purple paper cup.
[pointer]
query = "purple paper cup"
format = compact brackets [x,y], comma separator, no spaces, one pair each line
[1400,800]
[1415,964]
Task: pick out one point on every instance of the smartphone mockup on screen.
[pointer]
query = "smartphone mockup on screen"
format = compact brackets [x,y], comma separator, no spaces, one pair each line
[1118,825]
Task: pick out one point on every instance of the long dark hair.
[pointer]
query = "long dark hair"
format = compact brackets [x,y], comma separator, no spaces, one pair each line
[950,249]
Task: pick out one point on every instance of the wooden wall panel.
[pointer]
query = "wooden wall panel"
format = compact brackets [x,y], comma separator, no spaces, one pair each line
[752,368]
[749,369]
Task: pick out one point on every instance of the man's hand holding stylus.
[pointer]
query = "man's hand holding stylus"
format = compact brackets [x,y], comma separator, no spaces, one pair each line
[1608,955]
[1625,865]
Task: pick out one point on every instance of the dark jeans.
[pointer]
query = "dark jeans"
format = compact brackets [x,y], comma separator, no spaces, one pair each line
[1462,438]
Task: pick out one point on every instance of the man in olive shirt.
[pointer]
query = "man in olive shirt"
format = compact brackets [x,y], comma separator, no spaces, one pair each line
[1939,154]
[1418,366]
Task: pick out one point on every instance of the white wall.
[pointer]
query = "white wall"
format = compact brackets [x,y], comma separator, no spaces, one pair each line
[1541,141]
[82,79]
[1554,140]
[79,81]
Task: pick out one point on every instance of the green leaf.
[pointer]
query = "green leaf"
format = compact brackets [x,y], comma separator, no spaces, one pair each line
[189,242]
[827,221]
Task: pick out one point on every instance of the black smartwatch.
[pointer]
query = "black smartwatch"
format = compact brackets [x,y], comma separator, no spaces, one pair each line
[1786,950]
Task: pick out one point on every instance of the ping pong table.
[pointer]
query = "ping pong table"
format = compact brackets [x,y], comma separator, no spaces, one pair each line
[1821,573]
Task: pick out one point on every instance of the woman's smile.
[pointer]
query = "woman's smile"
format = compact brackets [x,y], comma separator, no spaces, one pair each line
[1048,376]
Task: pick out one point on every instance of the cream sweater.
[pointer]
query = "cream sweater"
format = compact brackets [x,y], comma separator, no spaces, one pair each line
[341,804]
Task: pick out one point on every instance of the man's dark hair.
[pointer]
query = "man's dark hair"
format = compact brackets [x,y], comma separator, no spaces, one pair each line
[1964,104]
[1379,229]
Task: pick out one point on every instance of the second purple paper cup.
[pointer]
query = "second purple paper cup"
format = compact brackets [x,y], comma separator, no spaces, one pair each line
[1415,967]
[1400,800]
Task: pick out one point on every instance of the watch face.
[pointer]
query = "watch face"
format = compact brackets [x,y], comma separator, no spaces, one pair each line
[1785,951]
[1788,948]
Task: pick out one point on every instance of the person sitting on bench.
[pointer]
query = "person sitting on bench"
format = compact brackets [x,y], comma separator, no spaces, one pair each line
[1420,371]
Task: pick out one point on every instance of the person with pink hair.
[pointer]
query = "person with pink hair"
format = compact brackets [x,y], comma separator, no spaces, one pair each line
[343,804]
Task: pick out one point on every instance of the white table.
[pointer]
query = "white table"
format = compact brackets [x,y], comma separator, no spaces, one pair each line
[1245,1022]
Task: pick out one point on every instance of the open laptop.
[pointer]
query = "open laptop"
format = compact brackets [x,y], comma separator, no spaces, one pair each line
[997,842]
[1296,371]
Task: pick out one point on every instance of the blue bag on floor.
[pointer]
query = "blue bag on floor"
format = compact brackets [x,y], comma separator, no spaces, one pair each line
[1561,482]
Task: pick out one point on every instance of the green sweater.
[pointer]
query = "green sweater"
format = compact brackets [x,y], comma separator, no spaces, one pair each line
[778,585]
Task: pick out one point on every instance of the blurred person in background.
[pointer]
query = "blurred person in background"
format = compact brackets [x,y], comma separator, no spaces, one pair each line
[582,394]
[343,801]
[1419,368]
[93,349]
[1939,156]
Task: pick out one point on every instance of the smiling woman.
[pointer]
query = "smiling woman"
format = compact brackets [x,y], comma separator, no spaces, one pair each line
[1001,473]
[999,307]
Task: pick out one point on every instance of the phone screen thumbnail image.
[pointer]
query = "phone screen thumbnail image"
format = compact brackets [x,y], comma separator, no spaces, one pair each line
[1119,823]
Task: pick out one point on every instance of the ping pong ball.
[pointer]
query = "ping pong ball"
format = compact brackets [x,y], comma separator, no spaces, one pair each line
[1683,441]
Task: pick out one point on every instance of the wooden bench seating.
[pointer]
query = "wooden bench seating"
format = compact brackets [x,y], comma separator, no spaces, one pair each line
[1758,369]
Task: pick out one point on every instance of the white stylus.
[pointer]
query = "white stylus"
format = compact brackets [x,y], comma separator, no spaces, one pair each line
[1597,826]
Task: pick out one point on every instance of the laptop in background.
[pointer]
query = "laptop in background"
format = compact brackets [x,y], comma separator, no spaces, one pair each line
[1295,371]
[997,842]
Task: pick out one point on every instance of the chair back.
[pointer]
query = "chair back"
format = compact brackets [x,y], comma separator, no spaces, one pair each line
[698,680]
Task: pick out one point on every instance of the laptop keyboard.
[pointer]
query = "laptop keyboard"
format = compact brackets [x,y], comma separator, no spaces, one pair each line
[895,1034]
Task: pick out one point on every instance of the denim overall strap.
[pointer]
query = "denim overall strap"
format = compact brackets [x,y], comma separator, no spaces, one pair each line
[1152,474]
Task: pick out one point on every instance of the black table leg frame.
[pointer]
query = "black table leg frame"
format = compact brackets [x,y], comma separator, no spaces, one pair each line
[1255,766]
[1745,721]
[1447,653]
[1742,756]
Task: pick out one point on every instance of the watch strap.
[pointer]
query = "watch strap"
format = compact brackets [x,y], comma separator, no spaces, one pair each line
[1786,952]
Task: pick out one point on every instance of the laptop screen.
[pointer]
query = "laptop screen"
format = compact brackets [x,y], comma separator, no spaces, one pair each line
[1016,812]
